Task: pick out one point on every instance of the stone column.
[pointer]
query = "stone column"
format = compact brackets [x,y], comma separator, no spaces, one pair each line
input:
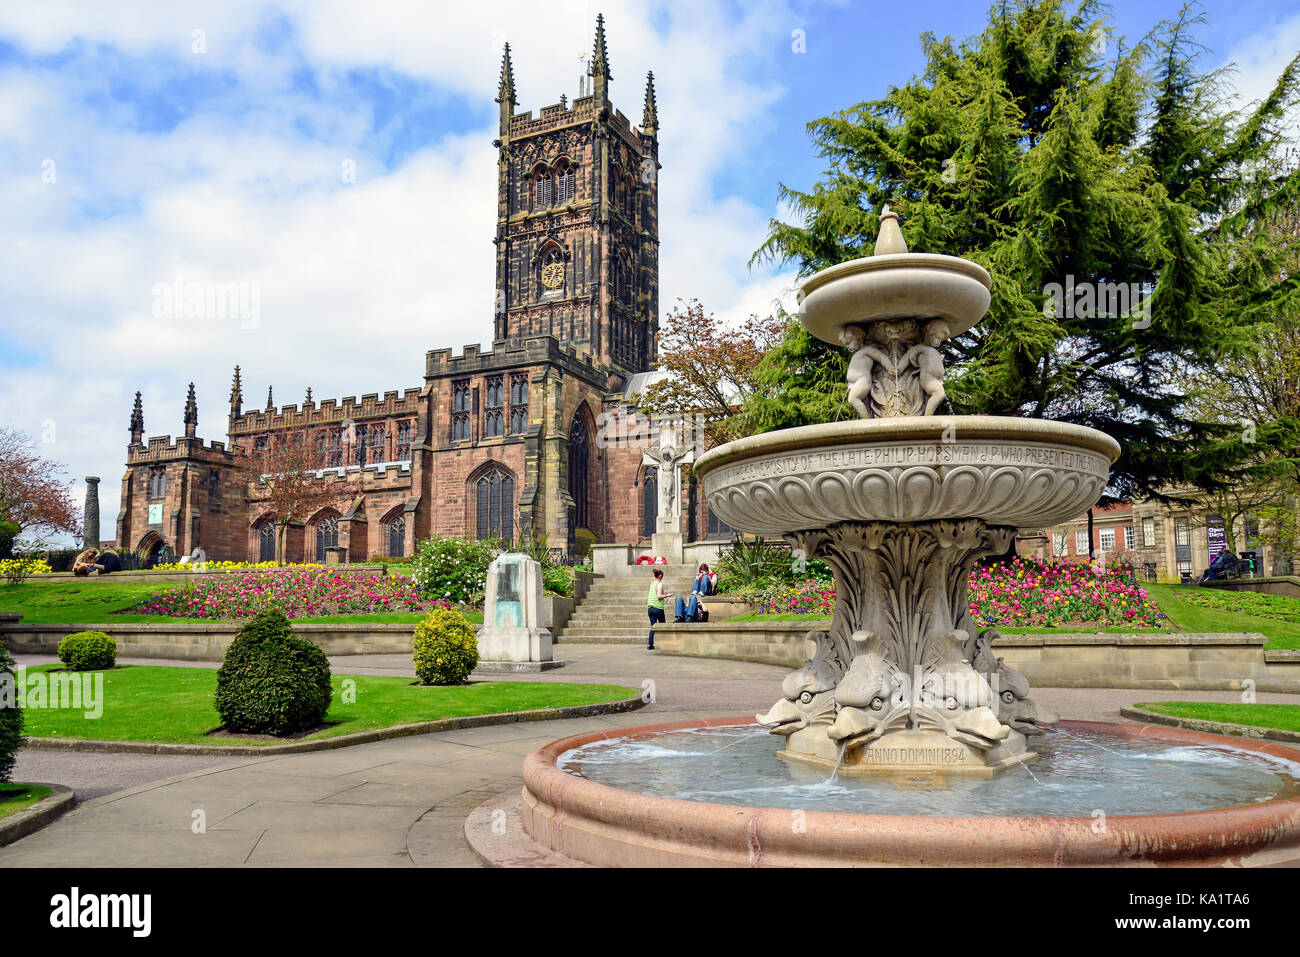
[90,518]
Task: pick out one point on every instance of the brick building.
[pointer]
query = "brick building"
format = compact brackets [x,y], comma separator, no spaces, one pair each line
[494,442]
[1163,540]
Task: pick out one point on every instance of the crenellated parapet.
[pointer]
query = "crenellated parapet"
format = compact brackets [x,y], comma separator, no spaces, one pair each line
[393,404]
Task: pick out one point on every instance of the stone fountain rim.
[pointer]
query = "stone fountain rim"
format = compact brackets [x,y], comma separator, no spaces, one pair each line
[886,261]
[610,826]
[907,428]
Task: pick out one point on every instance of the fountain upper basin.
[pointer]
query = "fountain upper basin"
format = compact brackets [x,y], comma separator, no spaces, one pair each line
[902,285]
[1006,471]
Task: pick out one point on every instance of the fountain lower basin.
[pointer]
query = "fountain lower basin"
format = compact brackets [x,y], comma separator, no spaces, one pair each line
[593,822]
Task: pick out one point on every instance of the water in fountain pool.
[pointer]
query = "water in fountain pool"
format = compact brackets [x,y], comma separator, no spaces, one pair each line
[1078,772]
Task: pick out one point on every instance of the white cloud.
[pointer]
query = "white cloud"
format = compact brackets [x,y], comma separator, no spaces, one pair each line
[357,281]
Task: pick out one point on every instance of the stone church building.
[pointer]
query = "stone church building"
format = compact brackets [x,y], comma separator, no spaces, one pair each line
[493,442]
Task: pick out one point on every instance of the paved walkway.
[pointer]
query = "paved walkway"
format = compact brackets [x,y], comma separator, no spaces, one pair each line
[392,803]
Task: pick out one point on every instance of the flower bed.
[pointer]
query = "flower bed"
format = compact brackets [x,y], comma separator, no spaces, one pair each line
[298,592]
[1024,593]
[23,566]
[1028,592]
[211,566]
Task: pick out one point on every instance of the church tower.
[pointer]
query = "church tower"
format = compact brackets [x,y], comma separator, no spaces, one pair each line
[577,239]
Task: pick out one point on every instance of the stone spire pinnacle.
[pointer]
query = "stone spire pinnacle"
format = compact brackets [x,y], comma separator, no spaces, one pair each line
[270,400]
[191,414]
[599,55]
[236,394]
[650,115]
[137,421]
[506,94]
[307,401]
[889,239]
[506,88]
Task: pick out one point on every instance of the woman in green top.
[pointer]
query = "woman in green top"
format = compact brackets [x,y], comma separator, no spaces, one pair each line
[655,605]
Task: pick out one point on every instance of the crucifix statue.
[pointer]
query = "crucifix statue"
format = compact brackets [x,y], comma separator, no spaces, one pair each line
[669,459]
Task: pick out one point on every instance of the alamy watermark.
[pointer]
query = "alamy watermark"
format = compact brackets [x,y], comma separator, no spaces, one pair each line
[1099,300]
[64,690]
[191,299]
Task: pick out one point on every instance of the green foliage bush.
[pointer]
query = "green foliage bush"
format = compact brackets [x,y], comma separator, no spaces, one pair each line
[557,580]
[11,716]
[271,681]
[452,569]
[88,651]
[444,648]
[755,566]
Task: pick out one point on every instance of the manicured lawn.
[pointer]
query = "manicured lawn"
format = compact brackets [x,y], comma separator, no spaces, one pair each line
[1282,716]
[100,601]
[77,601]
[1184,615]
[168,704]
[15,797]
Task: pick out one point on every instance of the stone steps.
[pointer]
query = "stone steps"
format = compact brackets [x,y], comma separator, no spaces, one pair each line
[614,609]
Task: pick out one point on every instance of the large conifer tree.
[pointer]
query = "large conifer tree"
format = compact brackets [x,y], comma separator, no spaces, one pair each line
[1051,152]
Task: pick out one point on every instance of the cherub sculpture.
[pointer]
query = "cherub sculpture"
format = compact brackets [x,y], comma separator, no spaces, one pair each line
[929,364]
[859,375]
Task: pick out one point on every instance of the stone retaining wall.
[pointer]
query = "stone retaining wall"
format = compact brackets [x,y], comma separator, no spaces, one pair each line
[205,641]
[1184,660]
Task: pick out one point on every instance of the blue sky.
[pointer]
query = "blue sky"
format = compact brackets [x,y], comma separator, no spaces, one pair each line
[139,152]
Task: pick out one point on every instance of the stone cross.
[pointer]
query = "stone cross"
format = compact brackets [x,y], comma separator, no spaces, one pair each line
[669,460]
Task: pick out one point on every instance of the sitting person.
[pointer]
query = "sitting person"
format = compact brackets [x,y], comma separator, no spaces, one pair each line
[705,583]
[84,563]
[108,563]
[692,610]
[1222,567]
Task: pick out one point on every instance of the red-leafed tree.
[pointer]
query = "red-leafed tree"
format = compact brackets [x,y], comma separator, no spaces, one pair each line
[35,498]
[710,367]
[282,477]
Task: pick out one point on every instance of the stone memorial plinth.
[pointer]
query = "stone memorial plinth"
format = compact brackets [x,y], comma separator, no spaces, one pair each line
[512,637]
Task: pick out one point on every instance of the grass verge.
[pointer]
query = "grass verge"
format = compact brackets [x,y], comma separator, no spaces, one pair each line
[1284,717]
[160,703]
[16,797]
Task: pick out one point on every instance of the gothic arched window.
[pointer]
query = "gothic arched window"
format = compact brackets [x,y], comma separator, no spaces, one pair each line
[579,457]
[495,501]
[395,532]
[266,542]
[157,483]
[327,536]
[564,183]
[542,189]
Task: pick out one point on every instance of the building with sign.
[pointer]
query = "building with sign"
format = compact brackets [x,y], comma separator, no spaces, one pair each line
[1163,540]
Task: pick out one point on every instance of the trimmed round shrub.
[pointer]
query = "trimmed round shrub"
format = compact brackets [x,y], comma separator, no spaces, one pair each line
[88,651]
[271,681]
[11,715]
[444,648]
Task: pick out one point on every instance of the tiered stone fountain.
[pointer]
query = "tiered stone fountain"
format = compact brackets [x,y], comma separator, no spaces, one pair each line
[903,691]
[901,503]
